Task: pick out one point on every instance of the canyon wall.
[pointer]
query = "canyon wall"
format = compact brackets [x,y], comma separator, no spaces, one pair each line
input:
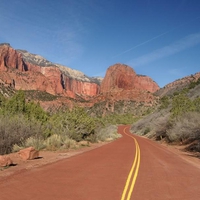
[120,76]
[26,71]
[23,70]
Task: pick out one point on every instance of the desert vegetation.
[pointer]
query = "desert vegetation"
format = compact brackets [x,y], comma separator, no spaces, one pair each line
[176,118]
[24,123]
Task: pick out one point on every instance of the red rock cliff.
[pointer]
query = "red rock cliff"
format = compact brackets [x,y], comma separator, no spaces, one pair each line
[26,71]
[9,58]
[121,76]
[23,70]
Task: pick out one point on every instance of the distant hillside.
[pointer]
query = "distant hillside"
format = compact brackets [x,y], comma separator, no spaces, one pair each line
[42,79]
[176,117]
[177,85]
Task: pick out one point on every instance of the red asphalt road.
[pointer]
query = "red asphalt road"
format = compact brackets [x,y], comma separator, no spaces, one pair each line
[101,174]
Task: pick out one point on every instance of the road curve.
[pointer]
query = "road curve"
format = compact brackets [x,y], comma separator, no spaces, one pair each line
[165,175]
[128,168]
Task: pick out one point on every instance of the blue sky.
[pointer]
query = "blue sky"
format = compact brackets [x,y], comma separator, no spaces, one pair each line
[158,38]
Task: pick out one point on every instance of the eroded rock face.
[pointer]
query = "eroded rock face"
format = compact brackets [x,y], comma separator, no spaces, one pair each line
[121,83]
[118,76]
[146,83]
[121,76]
[9,58]
[23,70]
[26,71]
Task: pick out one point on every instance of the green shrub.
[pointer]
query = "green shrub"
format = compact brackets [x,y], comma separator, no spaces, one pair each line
[40,95]
[165,102]
[193,84]
[147,130]
[181,104]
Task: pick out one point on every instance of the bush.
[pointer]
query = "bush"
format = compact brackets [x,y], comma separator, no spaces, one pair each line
[35,142]
[162,125]
[185,129]
[150,123]
[69,143]
[165,102]
[56,142]
[77,124]
[15,130]
[147,130]
[195,147]
[116,119]
[181,104]
[107,133]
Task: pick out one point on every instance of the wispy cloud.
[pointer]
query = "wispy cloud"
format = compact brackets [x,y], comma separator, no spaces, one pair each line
[177,71]
[154,38]
[56,31]
[141,44]
[178,46]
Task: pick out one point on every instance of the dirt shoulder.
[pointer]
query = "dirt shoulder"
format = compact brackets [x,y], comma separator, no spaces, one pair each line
[45,157]
[192,157]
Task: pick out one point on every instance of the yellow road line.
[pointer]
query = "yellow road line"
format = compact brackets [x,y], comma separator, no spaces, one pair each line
[135,166]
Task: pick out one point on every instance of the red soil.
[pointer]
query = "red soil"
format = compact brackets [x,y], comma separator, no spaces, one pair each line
[101,173]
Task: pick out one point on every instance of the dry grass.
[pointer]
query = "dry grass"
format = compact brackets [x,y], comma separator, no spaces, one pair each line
[107,133]
[15,130]
[56,142]
[185,129]
[35,142]
[53,143]
[150,124]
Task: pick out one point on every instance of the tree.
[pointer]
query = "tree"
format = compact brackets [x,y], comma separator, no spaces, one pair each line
[16,104]
[181,104]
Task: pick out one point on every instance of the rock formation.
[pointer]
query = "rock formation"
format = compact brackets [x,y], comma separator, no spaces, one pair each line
[122,87]
[26,71]
[28,153]
[121,76]
[177,85]
[5,161]
[23,70]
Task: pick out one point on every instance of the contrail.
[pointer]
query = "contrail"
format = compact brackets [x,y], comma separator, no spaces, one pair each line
[178,46]
[141,44]
[154,38]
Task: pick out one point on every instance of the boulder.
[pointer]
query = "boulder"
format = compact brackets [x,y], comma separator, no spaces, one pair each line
[5,161]
[28,153]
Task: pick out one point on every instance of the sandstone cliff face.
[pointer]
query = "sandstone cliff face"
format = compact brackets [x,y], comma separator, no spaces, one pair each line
[146,83]
[121,83]
[9,58]
[118,76]
[121,76]
[23,70]
[26,71]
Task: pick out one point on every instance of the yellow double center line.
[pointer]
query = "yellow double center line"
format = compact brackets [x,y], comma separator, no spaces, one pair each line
[130,182]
